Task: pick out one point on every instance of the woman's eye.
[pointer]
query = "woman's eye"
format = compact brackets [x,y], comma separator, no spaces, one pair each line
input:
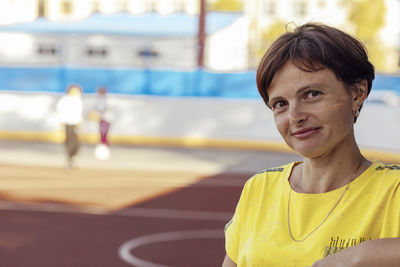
[278,104]
[311,94]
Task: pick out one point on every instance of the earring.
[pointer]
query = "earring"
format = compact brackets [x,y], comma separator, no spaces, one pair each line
[356,113]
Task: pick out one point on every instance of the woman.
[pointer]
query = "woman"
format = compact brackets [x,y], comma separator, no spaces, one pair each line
[102,150]
[335,208]
[69,109]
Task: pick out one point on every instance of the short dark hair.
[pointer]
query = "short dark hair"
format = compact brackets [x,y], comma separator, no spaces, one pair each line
[312,47]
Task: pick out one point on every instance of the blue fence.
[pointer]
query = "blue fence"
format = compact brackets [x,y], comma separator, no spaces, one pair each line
[146,82]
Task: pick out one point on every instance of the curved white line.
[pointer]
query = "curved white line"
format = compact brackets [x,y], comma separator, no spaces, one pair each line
[125,249]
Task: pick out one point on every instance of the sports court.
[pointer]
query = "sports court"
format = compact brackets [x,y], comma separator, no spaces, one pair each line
[145,206]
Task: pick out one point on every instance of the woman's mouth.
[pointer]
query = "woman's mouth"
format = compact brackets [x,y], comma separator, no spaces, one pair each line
[306,132]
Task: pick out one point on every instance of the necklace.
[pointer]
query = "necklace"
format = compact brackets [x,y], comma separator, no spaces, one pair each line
[327,215]
[319,225]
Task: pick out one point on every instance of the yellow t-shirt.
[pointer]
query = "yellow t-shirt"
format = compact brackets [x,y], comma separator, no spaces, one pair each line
[258,234]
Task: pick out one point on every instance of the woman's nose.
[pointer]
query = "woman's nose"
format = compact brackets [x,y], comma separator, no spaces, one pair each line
[296,114]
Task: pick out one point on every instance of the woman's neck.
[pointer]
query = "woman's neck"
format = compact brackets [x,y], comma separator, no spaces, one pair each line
[328,172]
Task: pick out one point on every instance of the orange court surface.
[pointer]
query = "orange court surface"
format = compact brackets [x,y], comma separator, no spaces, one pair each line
[145,206]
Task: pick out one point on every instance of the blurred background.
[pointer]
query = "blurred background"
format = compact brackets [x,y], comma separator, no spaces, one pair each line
[177,72]
[187,126]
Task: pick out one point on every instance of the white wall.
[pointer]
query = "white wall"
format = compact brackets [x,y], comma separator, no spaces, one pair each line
[227,49]
[21,49]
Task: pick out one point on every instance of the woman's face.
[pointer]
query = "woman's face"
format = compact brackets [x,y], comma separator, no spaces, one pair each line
[313,111]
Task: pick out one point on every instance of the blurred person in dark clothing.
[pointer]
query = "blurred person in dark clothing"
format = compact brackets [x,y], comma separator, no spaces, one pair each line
[69,109]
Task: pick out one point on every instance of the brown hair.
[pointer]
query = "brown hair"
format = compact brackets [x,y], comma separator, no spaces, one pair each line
[312,47]
[101,90]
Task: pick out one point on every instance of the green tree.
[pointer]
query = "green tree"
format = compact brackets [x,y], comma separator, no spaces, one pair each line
[274,30]
[270,34]
[227,5]
[367,18]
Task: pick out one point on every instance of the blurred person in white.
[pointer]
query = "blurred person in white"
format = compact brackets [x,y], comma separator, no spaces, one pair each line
[102,115]
[69,109]
[335,207]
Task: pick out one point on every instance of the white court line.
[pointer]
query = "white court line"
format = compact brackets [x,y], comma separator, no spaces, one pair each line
[126,248]
[128,212]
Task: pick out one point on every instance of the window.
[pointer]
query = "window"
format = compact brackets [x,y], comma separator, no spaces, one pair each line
[179,6]
[96,6]
[147,53]
[300,8]
[97,52]
[321,4]
[151,6]
[66,7]
[41,8]
[269,7]
[47,50]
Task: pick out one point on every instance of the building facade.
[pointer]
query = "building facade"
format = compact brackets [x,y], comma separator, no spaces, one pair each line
[260,15]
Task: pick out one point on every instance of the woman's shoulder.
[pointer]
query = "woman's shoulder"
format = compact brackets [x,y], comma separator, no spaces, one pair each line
[381,177]
[383,166]
[270,175]
[277,170]
[388,170]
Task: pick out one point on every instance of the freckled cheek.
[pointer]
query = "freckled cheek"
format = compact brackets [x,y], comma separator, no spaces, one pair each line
[332,112]
[337,123]
[336,108]
[337,113]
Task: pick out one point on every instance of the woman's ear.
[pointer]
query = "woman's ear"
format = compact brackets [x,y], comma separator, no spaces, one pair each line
[360,93]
